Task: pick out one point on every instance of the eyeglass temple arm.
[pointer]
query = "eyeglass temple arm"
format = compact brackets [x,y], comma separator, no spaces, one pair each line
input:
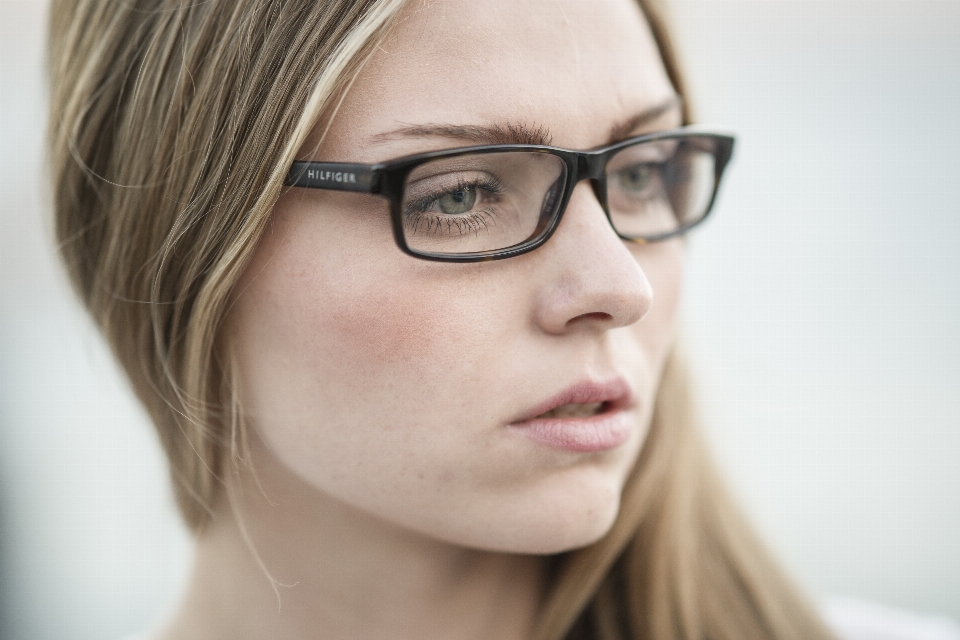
[340,176]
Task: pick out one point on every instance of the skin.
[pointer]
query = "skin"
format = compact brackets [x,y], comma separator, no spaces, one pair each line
[389,493]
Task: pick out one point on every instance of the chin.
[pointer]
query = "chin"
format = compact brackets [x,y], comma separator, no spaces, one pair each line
[575,536]
[575,533]
[563,517]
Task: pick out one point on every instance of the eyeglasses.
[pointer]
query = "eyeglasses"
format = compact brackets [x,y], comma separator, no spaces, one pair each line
[498,201]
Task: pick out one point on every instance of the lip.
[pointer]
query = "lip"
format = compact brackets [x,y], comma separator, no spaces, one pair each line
[600,432]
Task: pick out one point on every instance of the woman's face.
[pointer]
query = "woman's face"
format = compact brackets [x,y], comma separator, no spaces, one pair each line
[402,387]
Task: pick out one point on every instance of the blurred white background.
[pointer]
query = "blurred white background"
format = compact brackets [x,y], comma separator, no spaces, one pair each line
[822,316]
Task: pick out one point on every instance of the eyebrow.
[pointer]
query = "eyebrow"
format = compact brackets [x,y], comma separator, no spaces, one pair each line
[519,133]
[511,133]
[629,127]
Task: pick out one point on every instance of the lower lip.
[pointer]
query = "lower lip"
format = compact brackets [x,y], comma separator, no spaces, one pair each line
[580,435]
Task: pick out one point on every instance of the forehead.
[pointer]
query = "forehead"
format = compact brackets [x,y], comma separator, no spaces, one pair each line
[575,69]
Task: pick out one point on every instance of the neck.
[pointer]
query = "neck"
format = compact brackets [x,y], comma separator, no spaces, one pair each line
[337,572]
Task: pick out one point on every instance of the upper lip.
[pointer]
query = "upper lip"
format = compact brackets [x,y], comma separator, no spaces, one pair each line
[615,391]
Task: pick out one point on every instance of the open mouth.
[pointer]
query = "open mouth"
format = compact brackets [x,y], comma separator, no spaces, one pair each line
[586,417]
[582,401]
[575,410]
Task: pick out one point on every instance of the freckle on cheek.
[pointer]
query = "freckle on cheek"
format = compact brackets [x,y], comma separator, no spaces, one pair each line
[389,328]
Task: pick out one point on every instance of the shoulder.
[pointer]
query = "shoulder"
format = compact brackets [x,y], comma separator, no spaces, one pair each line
[853,619]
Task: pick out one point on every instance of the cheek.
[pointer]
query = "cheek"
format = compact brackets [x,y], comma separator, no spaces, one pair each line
[664,265]
[328,289]
[378,322]
[329,314]
[392,322]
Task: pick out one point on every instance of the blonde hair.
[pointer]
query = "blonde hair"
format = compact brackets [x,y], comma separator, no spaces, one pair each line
[172,127]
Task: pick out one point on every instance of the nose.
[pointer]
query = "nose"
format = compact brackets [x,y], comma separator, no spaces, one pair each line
[595,282]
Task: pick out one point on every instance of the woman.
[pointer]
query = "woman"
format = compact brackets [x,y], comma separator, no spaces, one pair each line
[426,397]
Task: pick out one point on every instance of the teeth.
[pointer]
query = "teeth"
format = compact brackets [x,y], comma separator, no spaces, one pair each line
[573,411]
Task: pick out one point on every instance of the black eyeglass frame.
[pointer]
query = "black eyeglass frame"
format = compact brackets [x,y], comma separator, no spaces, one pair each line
[387,179]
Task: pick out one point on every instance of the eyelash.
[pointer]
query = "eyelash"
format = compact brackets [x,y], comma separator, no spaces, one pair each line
[471,222]
[494,186]
[459,225]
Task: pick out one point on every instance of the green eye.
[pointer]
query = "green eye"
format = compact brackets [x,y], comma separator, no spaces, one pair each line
[459,201]
[635,178]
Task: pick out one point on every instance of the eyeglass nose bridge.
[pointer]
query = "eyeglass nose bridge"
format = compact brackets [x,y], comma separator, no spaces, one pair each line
[593,167]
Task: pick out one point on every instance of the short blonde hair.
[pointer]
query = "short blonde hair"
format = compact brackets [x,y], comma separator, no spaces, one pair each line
[172,127]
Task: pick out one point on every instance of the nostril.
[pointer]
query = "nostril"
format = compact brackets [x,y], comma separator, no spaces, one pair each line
[596,316]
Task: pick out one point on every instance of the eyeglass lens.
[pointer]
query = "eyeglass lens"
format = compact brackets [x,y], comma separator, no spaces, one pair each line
[492,201]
